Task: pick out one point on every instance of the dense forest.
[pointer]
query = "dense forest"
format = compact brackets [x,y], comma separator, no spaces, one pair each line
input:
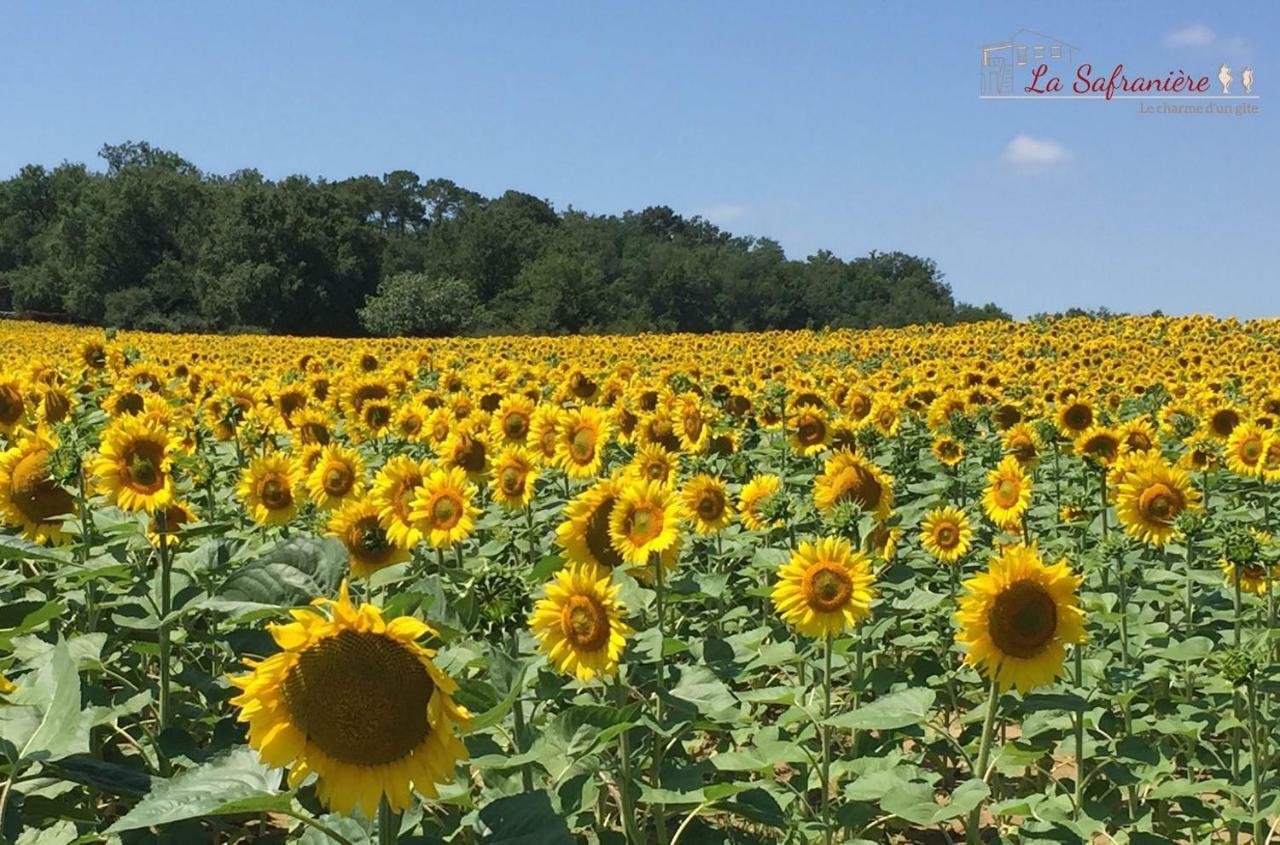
[152,242]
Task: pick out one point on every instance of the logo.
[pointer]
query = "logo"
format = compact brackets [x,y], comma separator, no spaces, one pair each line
[1030,65]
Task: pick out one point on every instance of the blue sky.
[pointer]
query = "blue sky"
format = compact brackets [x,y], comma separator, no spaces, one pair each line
[845,126]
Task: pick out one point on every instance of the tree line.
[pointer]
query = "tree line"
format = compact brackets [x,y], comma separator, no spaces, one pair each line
[151,242]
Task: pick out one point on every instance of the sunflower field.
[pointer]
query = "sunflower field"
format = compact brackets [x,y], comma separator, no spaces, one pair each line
[998,582]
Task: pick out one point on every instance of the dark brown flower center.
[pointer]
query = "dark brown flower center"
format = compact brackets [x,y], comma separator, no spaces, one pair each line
[827,587]
[1023,619]
[585,623]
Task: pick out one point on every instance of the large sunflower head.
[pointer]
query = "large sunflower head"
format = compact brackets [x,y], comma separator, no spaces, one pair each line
[849,477]
[653,463]
[1098,444]
[443,509]
[1018,617]
[1246,449]
[165,525]
[270,488]
[312,427]
[336,478]
[1022,441]
[580,442]
[1150,497]
[467,448]
[692,420]
[30,497]
[353,699]
[1075,417]
[514,473]
[357,525]
[810,430]
[948,450]
[706,500]
[645,521]
[134,463]
[544,428]
[393,491]
[579,622]
[584,535]
[946,534]
[1138,435]
[825,588]
[512,421]
[13,408]
[1008,493]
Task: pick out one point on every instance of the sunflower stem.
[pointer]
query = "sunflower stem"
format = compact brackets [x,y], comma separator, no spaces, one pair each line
[517,714]
[826,738]
[166,606]
[625,799]
[659,810]
[388,823]
[86,545]
[984,756]
[1078,659]
[1255,757]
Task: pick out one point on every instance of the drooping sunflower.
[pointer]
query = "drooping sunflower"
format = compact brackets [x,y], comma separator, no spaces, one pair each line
[514,474]
[1246,449]
[707,502]
[1150,498]
[269,487]
[584,534]
[580,442]
[134,462]
[1008,493]
[443,509]
[645,521]
[1255,578]
[825,588]
[356,523]
[946,534]
[336,478]
[353,699]
[1021,441]
[1018,617]
[30,497]
[752,500]
[849,477]
[579,622]
[393,491]
[175,516]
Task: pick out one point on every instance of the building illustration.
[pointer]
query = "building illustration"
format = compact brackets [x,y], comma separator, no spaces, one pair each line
[1007,64]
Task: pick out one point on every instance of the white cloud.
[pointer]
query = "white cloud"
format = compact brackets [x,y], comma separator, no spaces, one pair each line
[1195,35]
[1033,153]
[723,213]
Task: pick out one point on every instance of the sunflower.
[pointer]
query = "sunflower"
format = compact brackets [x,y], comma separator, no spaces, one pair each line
[579,623]
[1099,444]
[1220,419]
[653,463]
[948,450]
[514,474]
[1246,449]
[1150,497]
[30,498]
[1008,493]
[1137,435]
[825,588]
[13,408]
[544,425]
[810,430]
[692,422]
[269,487]
[133,466]
[1021,441]
[336,478]
[176,515]
[393,491]
[848,477]
[707,501]
[1018,617]
[753,498]
[584,535]
[353,699]
[883,540]
[357,525]
[1255,578]
[467,448]
[645,520]
[945,533]
[512,421]
[1074,418]
[410,421]
[580,442]
[443,509]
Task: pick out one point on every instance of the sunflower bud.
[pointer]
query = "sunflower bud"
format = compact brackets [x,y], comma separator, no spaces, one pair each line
[962,427]
[776,507]
[1240,545]
[1192,523]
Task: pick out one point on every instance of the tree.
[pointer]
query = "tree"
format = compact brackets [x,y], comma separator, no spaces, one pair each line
[419,305]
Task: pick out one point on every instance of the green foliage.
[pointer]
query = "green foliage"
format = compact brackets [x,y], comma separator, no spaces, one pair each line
[154,243]
[418,305]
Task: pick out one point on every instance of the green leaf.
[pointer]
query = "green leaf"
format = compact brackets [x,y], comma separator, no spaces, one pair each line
[234,782]
[498,712]
[289,574]
[895,710]
[700,687]
[109,777]
[524,819]
[44,720]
